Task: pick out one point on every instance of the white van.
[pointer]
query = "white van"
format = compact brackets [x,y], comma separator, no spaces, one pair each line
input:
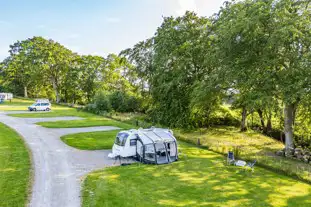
[40,106]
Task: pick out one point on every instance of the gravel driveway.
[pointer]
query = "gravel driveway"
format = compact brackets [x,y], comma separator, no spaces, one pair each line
[58,168]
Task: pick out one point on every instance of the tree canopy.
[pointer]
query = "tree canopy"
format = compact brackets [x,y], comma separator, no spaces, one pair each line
[253,55]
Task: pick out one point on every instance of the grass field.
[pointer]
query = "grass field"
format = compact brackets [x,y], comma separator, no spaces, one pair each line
[91,140]
[201,179]
[248,145]
[14,168]
[16,105]
[89,122]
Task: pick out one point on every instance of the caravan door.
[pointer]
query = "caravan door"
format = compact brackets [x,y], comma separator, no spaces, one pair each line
[131,145]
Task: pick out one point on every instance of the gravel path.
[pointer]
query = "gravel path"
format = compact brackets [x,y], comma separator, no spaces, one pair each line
[58,167]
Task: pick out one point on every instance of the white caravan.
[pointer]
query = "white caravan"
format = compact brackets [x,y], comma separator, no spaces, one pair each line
[153,146]
[6,96]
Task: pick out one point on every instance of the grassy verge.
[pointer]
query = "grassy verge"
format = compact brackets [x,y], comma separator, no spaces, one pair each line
[91,140]
[14,168]
[85,123]
[200,179]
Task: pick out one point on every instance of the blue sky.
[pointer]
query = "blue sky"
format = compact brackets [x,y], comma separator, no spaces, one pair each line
[96,27]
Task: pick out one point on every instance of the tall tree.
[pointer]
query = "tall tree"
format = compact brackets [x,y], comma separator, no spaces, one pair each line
[265,46]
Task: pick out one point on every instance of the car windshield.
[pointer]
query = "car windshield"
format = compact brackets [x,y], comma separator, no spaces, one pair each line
[121,139]
[34,104]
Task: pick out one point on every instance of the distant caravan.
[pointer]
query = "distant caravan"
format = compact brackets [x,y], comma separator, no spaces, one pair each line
[5,97]
[150,146]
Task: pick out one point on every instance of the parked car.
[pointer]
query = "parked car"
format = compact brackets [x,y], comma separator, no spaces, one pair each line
[40,106]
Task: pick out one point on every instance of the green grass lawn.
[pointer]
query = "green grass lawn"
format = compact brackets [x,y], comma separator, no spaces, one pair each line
[249,145]
[14,168]
[16,104]
[91,140]
[89,122]
[201,179]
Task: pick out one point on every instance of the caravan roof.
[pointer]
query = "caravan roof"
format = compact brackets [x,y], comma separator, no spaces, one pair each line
[154,135]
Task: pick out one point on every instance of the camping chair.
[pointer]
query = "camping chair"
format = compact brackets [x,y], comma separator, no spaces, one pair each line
[251,165]
[230,158]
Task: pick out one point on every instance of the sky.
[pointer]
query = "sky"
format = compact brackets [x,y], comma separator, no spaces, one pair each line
[91,27]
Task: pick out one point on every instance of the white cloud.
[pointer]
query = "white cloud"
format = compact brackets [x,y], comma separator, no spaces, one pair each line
[112,19]
[186,5]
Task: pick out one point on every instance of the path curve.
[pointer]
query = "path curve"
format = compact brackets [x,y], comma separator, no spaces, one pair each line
[58,168]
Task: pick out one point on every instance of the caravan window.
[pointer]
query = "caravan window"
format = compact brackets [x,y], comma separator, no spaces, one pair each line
[133,142]
[121,139]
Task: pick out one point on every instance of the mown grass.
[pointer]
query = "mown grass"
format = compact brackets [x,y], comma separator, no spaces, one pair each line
[91,140]
[16,104]
[248,145]
[14,168]
[90,122]
[200,179]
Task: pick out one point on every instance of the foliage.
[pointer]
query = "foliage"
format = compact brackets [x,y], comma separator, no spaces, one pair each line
[38,67]
[102,102]
[122,102]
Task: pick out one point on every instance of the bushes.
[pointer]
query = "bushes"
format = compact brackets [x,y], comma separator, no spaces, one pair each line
[117,101]
[122,102]
[102,102]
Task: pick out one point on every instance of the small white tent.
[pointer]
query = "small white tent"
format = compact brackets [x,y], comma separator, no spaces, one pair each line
[154,145]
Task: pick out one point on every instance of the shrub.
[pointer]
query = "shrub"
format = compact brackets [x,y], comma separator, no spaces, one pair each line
[122,102]
[90,108]
[102,102]
[118,101]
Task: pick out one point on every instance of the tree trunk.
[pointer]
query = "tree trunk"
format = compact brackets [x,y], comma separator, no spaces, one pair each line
[56,92]
[288,125]
[262,121]
[243,121]
[269,122]
[25,92]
